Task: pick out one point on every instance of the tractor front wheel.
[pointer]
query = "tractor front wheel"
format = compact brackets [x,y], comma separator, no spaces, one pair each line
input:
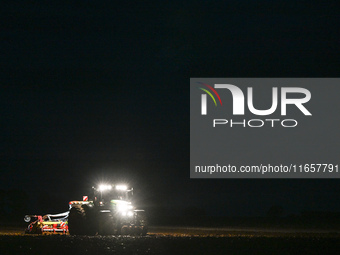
[77,221]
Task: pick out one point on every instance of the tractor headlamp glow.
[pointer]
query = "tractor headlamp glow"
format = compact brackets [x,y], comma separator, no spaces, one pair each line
[124,207]
[121,187]
[103,187]
[127,213]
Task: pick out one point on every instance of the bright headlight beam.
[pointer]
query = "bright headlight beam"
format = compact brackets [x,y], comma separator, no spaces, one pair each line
[121,187]
[124,207]
[103,187]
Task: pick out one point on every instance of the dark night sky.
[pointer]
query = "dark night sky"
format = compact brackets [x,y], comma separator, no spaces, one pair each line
[93,91]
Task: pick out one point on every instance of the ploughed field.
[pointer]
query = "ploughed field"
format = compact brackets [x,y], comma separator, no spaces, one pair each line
[176,240]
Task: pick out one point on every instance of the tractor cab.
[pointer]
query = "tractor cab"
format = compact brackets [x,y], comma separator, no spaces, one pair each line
[104,194]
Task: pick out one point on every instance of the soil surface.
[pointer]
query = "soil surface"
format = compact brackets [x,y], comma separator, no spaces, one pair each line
[176,240]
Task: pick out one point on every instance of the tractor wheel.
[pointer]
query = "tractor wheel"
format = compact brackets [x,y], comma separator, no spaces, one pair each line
[144,231]
[90,220]
[76,221]
[143,222]
[108,225]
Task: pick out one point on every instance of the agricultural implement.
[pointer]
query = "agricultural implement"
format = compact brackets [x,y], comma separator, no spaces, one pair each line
[52,223]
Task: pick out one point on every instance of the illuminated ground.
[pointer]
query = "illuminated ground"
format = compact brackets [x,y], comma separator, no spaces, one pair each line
[171,240]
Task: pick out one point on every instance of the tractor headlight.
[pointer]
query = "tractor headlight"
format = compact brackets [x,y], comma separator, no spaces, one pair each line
[125,210]
[124,207]
[127,213]
[121,187]
[103,187]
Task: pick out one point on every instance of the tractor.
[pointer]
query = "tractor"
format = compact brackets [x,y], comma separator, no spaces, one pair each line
[107,211]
